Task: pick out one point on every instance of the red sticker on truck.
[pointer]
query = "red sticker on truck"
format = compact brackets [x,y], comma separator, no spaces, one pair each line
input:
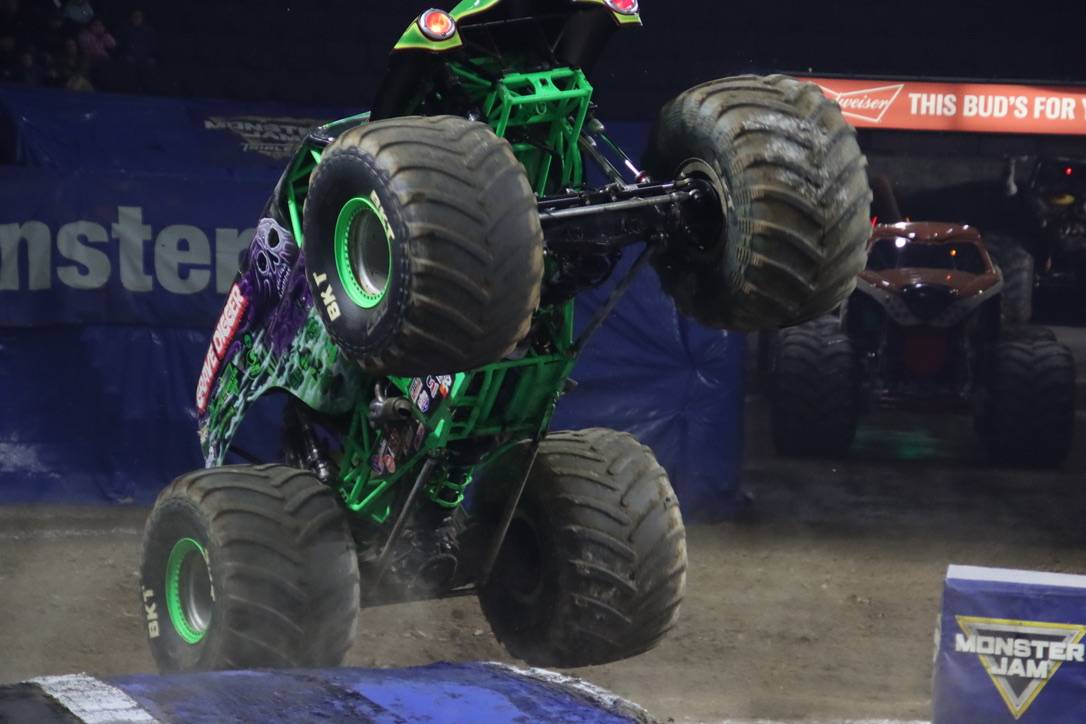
[229,321]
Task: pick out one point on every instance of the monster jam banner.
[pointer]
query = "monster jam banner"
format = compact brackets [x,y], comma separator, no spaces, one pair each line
[121,223]
[1011,648]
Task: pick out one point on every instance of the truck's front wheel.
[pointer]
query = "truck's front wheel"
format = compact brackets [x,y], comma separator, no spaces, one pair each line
[594,565]
[795,197]
[248,567]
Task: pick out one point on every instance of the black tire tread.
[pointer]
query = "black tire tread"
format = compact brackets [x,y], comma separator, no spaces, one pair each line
[800,196]
[1028,414]
[1016,265]
[283,550]
[815,396]
[619,532]
[468,208]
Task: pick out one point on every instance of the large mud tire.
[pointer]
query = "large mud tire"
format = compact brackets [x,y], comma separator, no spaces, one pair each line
[815,391]
[796,197]
[1017,267]
[594,567]
[265,573]
[423,246]
[1027,412]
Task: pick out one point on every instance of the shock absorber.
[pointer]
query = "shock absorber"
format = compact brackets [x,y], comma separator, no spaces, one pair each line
[448,492]
[309,451]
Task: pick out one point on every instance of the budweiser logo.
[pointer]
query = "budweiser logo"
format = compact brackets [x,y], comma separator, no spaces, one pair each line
[868,104]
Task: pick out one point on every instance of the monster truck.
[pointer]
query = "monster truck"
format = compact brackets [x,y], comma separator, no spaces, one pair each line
[410,291]
[1046,248]
[926,329]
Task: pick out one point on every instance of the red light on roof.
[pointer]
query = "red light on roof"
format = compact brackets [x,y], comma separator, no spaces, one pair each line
[437,25]
[1069,171]
[624,7]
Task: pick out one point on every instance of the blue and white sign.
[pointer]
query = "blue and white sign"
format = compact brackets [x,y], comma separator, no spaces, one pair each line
[1010,648]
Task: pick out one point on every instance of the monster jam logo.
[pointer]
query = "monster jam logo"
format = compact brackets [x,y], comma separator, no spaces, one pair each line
[273,137]
[1020,657]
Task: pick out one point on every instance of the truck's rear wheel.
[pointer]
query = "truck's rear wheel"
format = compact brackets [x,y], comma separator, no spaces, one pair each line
[594,566]
[1027,413]
[248,567]
[815,391]
[423,246]
[795,193]
[1016,265]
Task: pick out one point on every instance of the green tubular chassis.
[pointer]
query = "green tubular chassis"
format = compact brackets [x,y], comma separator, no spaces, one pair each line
[529,387]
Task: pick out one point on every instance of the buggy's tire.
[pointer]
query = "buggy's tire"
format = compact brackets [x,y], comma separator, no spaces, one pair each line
[815,392]
[248,567]
[423,246]
[1016,265]
[594,566]
[884,205]
[1028,334]
[1027,411]
[796,201]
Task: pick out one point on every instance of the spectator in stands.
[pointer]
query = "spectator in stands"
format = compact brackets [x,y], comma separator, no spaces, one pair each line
[9,59]
[15,22]
[79,12]
[52,34]
[138,42]
[30,71]
[69,69]
[96,43]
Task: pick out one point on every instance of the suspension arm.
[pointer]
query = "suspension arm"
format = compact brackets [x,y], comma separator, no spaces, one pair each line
[616,216]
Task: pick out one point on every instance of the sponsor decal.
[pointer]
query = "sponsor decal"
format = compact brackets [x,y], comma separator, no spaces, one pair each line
[267,135]
[328,297]
[866,104]
[964,107]
[227,327]
[376,201]
[424,391]
[150,611]
[1020,657]
[439,386]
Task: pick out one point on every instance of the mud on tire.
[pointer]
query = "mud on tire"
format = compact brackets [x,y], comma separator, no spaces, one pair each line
[796,197]
[594,567]
[815,391]
[423,246]
[1016,265]
[1027,412]
[264,572]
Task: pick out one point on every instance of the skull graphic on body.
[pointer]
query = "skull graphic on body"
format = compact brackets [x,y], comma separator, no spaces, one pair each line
[270,259]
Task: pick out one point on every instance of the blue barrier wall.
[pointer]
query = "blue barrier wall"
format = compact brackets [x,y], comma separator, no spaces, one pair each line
[1010,648]
[121,220]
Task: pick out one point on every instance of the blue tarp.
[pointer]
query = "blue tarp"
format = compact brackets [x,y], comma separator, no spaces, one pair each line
[443,692]
[120,227]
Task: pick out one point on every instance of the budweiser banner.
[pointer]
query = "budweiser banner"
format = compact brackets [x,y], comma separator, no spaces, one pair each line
[965,107]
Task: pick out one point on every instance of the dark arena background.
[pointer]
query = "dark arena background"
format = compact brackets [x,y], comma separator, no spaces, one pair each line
[827,474]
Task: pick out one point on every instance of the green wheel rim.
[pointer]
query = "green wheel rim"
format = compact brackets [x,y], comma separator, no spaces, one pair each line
[189,596]
[363,249]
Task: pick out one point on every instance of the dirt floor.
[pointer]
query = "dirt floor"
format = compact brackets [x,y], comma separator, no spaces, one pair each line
[819,603]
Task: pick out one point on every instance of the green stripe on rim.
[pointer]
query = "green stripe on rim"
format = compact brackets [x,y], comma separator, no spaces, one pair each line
[188,590]
[363,249]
